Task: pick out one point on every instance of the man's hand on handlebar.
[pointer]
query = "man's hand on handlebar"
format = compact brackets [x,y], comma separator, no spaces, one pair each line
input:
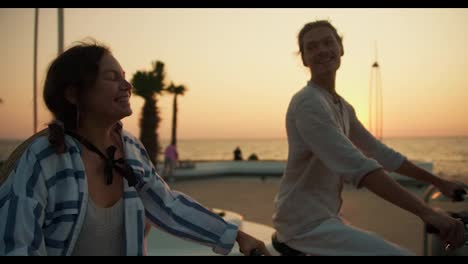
[452,189]
[449,229]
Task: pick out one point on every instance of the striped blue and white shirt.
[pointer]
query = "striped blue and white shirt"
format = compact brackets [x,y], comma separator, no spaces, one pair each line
[44,199]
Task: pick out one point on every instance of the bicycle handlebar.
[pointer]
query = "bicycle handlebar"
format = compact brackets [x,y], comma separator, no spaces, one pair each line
[459,195]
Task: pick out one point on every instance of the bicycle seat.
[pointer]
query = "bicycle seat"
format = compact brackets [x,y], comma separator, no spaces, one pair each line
[284,249]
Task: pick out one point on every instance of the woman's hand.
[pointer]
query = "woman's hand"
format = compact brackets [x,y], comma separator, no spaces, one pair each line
[448,188]
[451,230]
[248,243]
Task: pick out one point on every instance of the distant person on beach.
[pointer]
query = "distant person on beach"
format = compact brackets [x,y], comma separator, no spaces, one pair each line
[171,156]
[85,186]
[253,156]
[328,146]
[238,154]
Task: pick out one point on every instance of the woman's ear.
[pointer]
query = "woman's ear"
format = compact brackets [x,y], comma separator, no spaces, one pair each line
[71,95]
[340,41]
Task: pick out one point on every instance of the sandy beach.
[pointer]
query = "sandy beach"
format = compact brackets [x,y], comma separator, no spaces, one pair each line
[253,198]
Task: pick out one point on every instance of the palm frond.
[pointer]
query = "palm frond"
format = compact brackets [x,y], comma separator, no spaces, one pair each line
[176,89]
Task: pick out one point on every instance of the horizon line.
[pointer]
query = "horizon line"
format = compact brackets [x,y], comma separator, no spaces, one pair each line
[273,138]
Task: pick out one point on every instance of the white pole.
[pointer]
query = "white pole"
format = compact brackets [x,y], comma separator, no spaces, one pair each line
[60,30]
[36,22]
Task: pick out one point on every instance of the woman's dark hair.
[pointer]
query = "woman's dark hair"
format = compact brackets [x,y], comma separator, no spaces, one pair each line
[77,67]
[319,23]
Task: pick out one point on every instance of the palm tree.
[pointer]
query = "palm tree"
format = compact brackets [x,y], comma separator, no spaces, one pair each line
[176,90]
[148,84]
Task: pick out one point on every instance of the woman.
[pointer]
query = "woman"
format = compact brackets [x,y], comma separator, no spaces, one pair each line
[85,186]
[328,146]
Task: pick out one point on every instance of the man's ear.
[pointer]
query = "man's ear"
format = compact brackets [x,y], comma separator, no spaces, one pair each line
[303,61]
[71,95]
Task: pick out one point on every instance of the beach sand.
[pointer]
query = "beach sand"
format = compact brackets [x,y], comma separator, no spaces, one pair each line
[253,198]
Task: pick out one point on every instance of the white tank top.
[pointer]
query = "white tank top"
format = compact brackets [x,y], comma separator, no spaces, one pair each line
[102,232]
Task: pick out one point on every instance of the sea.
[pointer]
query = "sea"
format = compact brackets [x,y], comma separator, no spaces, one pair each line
[449,155]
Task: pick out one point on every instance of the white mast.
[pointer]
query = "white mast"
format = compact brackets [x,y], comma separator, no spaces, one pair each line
[36,22]
[376,100]
[60,30]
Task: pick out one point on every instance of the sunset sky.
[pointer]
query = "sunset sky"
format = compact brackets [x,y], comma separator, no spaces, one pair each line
[241,67]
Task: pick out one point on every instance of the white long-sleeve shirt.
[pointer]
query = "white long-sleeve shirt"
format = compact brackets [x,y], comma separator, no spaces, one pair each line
[44,200]
[328,145]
